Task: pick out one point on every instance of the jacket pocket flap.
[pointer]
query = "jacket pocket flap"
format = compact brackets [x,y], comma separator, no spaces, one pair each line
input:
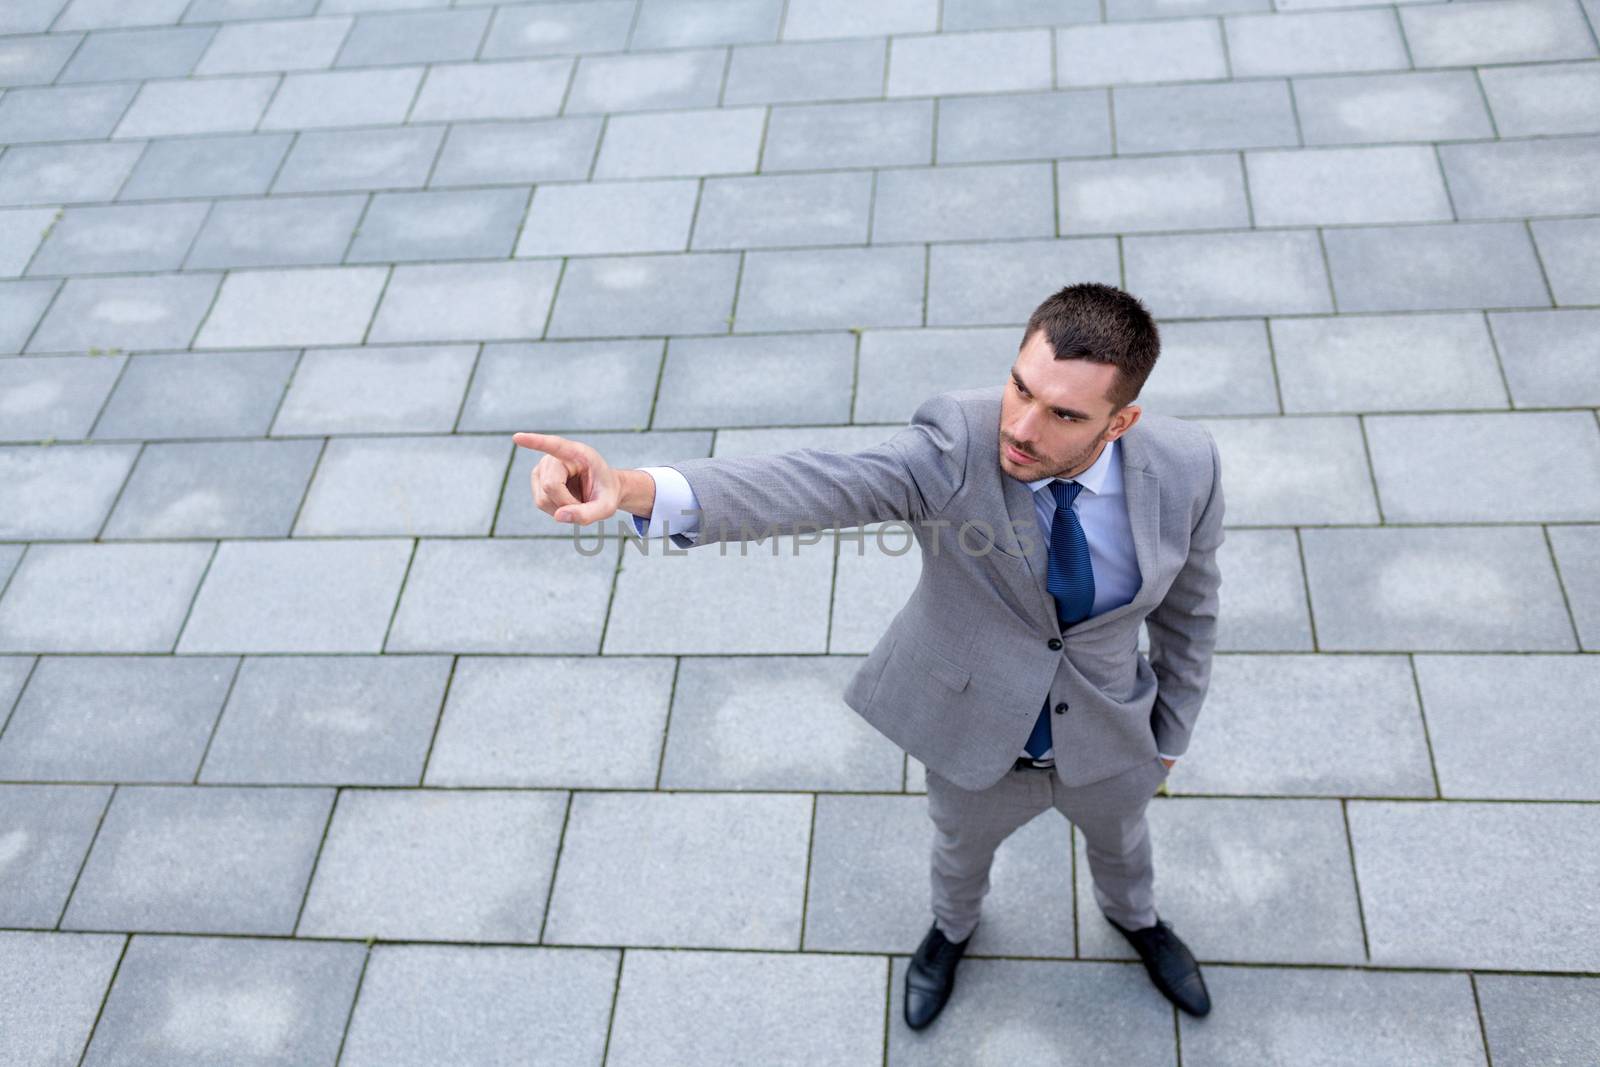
[947,671]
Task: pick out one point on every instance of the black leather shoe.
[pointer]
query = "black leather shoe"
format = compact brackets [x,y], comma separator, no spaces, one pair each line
[931,976]
[1171,965]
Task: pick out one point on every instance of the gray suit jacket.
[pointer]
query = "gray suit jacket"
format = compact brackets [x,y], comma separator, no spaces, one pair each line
[958,677]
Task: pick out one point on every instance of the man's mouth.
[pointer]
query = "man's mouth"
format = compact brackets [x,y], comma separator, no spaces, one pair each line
[1018,457]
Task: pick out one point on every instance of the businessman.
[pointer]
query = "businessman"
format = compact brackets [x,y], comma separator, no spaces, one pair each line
[1052,520]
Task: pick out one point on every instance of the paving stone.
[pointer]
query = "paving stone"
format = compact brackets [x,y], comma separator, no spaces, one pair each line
[46,831]
[1366,108]
[831,288]
[274,308]
[101,14]
[509,387]
[435,865]
[871,134]
[1262,880]
[744,381]
[642,295]
[1198,192]
[1347,363]
[115,718]
[64,174]
[517,152]
[1422,268]
[195,394]
[100,597]
[804,71]
[1570,252]
[1435,468]
[689,870]
[65,113]
[215,489]
[1172,50]
[277,45]
[53,985]
[343,98]
[200,105]
[1015,126]
[519,89]
[1008,1009]
[305,596]
[280,231]
[232,10]
[21,306]
[732,586]
[874,579]
[105,240]
[1547,356]
[1435,589]
[1509,727]
[56,493]
[1178,118]
[376,390]
[21,233]
[956,203]
[625,450]
[470,224]
[507,596]
[1335,726]
[768,211]
[1310,470]
[1267,609]
[761,1007]
[979,283]
[869,882]
[152,311]
[1533,1019]
[138,55]
[1337,1016]
[30,16]
[1516,178]
[677,79]
[1467,884]
[201,860]
[1548,98]
[335,720]
[682,23]
[773,722]
[414,37]
[981,62]
[1339,186]
[428,1004]
[490,736]
[1242,273]
[558,29]
[190,1001]
[35,60]
[411,486]
[1499,31]
[900,368]
[466,301]
[233,165]
[609,218]
[994,14]
[1119,10]
[1216,367]
[1577,550]
[335,161]
[681,143]
[1318,42]
[53,397]
[810,19]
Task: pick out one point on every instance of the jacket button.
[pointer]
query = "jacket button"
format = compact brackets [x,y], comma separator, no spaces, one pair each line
[1055,643]
[1061,709]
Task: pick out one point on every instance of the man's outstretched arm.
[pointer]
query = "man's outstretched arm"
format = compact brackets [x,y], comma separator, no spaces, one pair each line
[1183,629]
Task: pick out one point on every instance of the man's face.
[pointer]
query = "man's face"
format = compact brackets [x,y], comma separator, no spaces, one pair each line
[1055,412]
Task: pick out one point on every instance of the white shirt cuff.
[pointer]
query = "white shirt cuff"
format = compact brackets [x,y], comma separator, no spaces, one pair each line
[676,508]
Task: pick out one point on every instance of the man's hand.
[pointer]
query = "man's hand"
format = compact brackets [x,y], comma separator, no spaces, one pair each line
[572,482]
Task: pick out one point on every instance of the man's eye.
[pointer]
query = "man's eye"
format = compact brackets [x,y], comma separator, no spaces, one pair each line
[1065,418]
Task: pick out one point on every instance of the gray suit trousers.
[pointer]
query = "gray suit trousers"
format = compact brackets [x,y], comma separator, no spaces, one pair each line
[969,825]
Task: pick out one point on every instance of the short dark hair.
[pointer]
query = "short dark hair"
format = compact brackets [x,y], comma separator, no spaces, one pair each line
[1102,324]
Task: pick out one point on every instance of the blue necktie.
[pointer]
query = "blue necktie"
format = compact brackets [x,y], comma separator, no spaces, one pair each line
[1070,580]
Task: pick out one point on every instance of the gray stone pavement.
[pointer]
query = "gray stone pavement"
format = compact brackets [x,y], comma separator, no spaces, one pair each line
[320,744]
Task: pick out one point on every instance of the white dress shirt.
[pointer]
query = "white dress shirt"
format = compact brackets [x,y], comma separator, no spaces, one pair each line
[1101,507]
